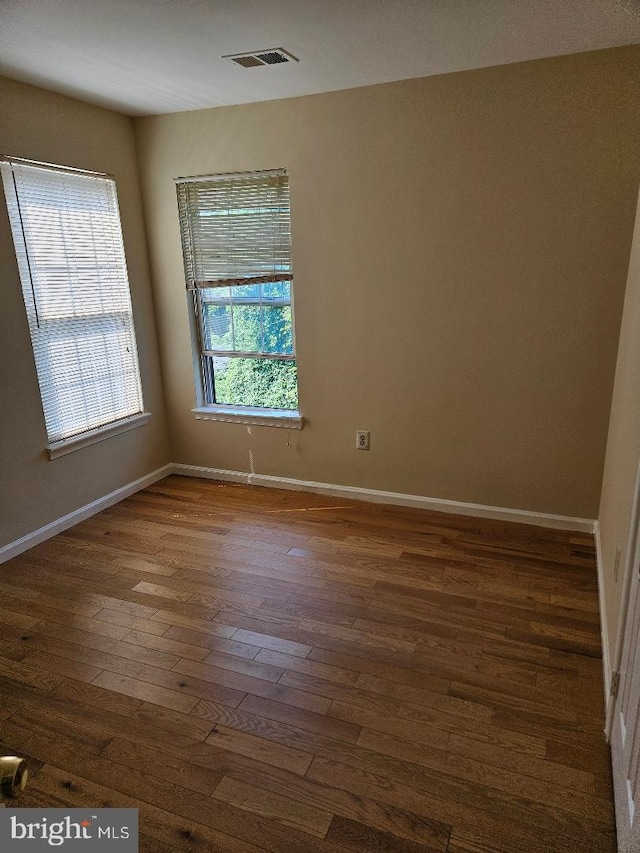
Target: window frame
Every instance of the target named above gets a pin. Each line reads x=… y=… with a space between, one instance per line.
x=63 y=437
x=207 y=408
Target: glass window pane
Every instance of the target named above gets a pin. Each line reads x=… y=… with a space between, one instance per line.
x=259 y=382
x=215 y=294
x=216 y=320
x=245 y=291
x=277 y=334
x=247 y=328
x=277 y=290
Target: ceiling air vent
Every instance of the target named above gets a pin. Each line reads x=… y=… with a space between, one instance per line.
x=272 y=56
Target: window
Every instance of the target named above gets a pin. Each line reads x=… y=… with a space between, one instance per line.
x=66 y=230
x=236 y=239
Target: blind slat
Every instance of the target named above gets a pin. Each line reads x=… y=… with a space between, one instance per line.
x=230 y=282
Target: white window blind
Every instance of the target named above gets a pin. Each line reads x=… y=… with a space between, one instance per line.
x=68 y=239
x=235 y=228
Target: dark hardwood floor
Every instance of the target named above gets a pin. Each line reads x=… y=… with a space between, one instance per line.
x=267 y=670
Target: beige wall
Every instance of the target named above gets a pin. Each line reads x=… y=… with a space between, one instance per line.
x=34 y=490
x=460 y=249
x=623 y=448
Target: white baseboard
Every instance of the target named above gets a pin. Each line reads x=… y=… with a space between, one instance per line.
x=78 y=515
x=604 y=633
x=558 y=522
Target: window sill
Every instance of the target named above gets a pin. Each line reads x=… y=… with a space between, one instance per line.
x=288 y=418
x=77 y=442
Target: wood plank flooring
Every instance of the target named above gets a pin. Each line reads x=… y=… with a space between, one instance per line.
x=267 y=670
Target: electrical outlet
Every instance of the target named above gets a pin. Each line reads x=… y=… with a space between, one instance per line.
x=616 y=565
x=362 y=439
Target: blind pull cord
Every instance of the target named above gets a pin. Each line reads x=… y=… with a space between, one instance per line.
x=26 y=250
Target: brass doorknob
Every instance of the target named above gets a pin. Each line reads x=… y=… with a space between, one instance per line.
x=13 y=775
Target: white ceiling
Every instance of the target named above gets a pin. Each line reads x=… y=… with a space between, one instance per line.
x=158 y=56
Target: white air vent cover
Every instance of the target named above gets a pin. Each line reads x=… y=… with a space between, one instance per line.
x=271 y=56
